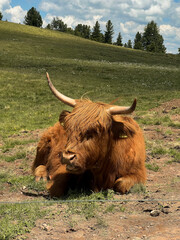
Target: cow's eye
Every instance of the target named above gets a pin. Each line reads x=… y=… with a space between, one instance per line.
x=90 y=134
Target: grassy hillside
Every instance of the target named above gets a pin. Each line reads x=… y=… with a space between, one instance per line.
x=76 y=66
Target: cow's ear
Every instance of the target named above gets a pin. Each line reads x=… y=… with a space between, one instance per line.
x=123 y=129
x=62 y=116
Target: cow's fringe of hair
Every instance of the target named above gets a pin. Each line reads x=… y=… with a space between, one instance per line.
x=87 y=113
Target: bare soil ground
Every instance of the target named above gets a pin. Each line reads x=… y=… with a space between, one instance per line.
x=150 y=215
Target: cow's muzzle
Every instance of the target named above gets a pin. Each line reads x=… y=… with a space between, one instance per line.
x=67 y=158
x=72 y=165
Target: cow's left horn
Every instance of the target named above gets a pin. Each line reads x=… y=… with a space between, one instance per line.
x=122 y=110
x=69 y=101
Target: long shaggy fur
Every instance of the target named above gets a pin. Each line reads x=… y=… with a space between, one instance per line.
x=109 y=151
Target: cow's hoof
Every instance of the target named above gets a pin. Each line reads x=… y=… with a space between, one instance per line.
x=122 y=185
x=41 y=173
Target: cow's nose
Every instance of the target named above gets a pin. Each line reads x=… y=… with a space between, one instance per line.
x=66 y=158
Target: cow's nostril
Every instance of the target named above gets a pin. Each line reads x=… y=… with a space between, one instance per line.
x=71 y=157
x=66 y=158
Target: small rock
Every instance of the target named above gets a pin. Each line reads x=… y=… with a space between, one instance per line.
x=177 y=147
x=165 y=111
x=165 y=210
x=123 y=217
x=24 y=131
x=155 y=213
x=45 y=227
x=178 y=208
x=147 y=210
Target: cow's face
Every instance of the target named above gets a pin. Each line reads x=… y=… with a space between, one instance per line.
x=88 y=129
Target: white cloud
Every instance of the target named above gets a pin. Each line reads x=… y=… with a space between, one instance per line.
x=178 y=11
x=131 y=27
x=141 y=4
x=171 y=37
x=50 y=6
x=145 y=10
x=153 y=10
x=164 y=4
x=175 y=15
x=123 y=6
x=169 y=31
x=4 y=4
x=153 y=18
x=15 y=14
x=124 y=10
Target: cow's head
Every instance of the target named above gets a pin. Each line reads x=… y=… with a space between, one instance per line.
x=90 y=127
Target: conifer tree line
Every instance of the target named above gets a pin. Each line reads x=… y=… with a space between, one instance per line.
x=150 y=40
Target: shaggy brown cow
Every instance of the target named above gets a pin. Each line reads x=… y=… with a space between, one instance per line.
x=94 y=137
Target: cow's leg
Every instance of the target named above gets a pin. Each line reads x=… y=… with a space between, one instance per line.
x=44 y=148
x=42 y=153
x=124 y=184
x=39 y=165
x=58 y=184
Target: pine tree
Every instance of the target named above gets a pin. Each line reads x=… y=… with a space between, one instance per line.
x=138 y=41
x=152 y=41
x=96 y=33
x=48 y=26
x=119 y=40
x=1 y=16
x=58 y=24
x=82 y=31
x=129 y=44
x=86 y=31
x=33 y=18
x=78 y=30
x=109 y=32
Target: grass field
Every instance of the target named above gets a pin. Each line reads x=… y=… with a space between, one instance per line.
x=77 y=67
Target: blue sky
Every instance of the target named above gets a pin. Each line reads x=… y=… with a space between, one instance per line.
x=127 y=16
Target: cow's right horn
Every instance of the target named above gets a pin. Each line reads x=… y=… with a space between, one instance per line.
x=69 y=101
x=115 y=110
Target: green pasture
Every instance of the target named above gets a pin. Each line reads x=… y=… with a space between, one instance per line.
x=78 y=68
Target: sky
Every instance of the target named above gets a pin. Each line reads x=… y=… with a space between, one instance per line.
x=127 y=16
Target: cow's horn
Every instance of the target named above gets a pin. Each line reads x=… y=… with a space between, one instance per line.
x=122 y=110
x=69 y=101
